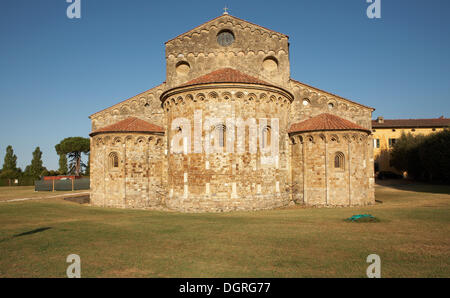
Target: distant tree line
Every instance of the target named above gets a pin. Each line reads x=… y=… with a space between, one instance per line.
x=70 y=151
x=424 y=158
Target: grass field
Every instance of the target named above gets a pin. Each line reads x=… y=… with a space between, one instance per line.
x=19 y=192
x=412 y=239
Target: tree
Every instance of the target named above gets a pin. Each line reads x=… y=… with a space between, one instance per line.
x=63 y=164
x=10 y=162
x=10 y=170
x=424 y=157
x=36 y=168
x=435 y=156
x=74 y=147
x=405 y=155
x=88 y=166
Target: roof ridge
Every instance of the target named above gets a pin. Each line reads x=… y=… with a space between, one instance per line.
x=220 y=16
x=127 y=99
x=332 y=94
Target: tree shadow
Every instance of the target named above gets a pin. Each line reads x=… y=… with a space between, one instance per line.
x=32 y=232
x=416 y=186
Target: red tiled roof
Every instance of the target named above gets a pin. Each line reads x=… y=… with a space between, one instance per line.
x=226 y=75
x=131 y=124
x=415 y=123
x=325 y=122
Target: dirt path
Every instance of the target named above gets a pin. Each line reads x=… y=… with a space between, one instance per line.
x=46 y=197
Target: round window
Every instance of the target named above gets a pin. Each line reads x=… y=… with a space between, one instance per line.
x=225 y=38
x=270 y=64
x=182 y=68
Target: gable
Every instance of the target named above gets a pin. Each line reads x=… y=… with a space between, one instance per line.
x=145 y=105
x=224 y=42
x=320 y=102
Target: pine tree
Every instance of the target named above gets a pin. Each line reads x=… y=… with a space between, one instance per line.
x=63 y=164
x=74 y=147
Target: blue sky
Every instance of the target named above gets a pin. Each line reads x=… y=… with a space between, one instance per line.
x=55 y=72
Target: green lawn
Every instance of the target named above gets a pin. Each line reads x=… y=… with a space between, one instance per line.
x=412 y=239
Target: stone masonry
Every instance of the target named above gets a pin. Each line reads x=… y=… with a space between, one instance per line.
x=151 y=151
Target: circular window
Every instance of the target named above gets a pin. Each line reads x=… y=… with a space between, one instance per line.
x=306 y=102
x=330 y=105
x=225 y=38
x=270 y=64
x=183 y=68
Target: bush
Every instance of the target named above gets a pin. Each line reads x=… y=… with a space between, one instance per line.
x=423 y=157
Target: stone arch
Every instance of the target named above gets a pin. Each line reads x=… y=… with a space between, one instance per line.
x=189 y=97
x=339 y=160
x=124 y=110
x=252 y=96
x=226 y=95
x=334 y=138
x=117 y=140
x=113 y=160
x=200 y=96
x=239 y=95
x=140 y=140
x=99 y=141
x=221 y=133
x=213 y=95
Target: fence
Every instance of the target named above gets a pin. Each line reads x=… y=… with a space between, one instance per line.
x=62 y=185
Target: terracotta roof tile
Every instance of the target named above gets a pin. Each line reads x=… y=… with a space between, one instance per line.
x=226 y=75
x=415 y=123
x=325 y=122
x=131 y=124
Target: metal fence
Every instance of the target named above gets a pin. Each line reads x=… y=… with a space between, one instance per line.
x=62 y=185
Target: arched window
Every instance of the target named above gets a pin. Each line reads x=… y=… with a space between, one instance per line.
x=339 y=161
x=113 y=160
x=221 y=134
x=265 y=137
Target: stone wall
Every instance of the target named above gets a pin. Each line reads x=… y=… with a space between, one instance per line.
x=226 y=181
x=310 y=102
x=256 y=51
x=145 y=106
x=317 y=180
x=138 y=180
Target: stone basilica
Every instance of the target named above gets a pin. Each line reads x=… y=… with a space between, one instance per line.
x=229 y=69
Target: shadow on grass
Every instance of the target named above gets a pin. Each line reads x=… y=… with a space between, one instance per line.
x=408 y=185
x=32 y=232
